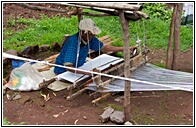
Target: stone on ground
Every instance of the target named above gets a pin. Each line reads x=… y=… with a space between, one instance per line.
x=117 y=117
x=104 y=117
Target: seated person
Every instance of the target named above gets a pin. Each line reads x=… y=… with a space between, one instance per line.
x=79 y=45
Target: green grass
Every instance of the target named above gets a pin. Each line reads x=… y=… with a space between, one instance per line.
x=6 y=122
x=49 y=30
x=116 y=107
x=43 y=31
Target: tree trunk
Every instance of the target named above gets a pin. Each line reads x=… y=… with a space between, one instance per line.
x=125 y=30
x=169 y=48
x=176 y=52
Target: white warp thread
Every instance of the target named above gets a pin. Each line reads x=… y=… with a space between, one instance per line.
x=107 y=75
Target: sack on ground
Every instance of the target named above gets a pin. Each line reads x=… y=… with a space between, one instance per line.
x=24 y=78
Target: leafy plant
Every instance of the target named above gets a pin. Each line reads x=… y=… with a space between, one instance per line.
x=6 y=122
x=158 y=10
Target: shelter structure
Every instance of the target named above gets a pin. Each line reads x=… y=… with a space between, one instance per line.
x=125 y=11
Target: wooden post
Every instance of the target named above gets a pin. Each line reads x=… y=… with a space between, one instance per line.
x=177 y=25
x=125 y=30
x=80 y=17
x=169 y=47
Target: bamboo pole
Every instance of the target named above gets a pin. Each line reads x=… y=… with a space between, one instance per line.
x=125 y=30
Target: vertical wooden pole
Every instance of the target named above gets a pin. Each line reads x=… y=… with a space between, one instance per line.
x=177 y=25
x=79 y=16
x=169 y=59
x=125 y=30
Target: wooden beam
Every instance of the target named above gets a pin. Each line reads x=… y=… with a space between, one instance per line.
x=92 y=14
x=125 y=30
x=80 y=17
x=48 y=9
x=121 y=6
x=142 y=14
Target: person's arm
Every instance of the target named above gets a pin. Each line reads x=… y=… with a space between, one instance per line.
x=108 y=48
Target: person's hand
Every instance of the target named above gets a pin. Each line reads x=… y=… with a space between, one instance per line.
x=133 y=50
x=94 y=70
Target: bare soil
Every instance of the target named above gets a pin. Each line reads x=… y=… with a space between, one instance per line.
x=154 y=108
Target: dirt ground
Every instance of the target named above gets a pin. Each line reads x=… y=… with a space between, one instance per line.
x=147 y=108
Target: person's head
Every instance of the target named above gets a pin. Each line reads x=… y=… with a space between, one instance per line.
x=88 y=29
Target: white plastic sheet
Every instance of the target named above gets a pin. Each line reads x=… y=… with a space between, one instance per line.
x=162 y=79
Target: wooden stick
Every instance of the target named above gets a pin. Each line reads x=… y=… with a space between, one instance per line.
x=92 y=14
x=4 y=81
x=51 y=57
x=118 y=6
x=44 y=68
x=142 y=14
x=105 y=83
x=96 y=77
x=46 y=83
x=48 y=9
x=137 y=66
x=107 y=40
x=103 y=37
x=110 y=80
x=72 y=96
x=100 y=98
x=156 y=96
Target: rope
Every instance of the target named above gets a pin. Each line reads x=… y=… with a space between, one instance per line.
x=101 y=82
x=107 y=75
x=89 y=55
x=138 y=41
x=144 y=44
x=78 y=50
